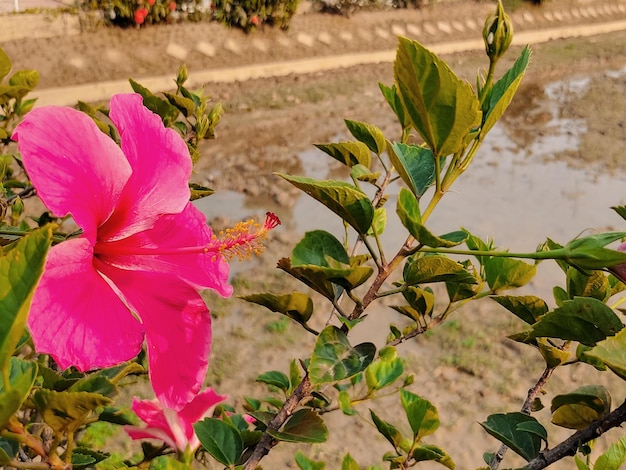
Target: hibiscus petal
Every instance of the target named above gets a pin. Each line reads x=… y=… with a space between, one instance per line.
x=161 y=168
x=201 y=406
x=76 y=317
x=151 y=413
x=178 y=332
x=74 y=166
x=169 y=234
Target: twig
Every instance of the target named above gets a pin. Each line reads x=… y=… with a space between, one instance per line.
x=26 y=192
x=526 y=407
x=570 y=445
x=267 y=441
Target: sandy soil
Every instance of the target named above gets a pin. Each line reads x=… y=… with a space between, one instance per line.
x=267 y=125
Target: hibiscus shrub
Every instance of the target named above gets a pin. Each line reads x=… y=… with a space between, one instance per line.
x=126 y=13
x=252 y=14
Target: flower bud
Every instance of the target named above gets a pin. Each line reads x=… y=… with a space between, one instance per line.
x=497 y=33
x=183 y=74
x=17 y=207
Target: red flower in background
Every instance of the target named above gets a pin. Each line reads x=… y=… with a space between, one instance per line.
x=151 y=2
x=172 y=6
x=140 y=15
x=254 y=20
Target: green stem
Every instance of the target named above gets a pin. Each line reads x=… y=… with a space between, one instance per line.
x=560 y=253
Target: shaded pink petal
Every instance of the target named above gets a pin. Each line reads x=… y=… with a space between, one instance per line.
x=151 y=413
x=161 y=168
x=200 y=407
x=74 y=166
x=76 y=317
x=187 y=229
x=178 y=332
x=150 y=433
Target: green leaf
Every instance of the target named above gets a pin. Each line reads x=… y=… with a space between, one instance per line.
x=582 y=319
x=621 y=211
x=95 y=384
x=422 y=414
x=507 y=273
x=580 y=464
x=319 y=248
x=220 y=439
x=588 y=284
x=614 y=456
x=304 y=425
x=320 y=257
x=442 y=108
x=163 y=108
x=275 y=378
x=363 y=173
x=345 y=200
x=161 y=462
x=349 y=463
x=348 y=153
x=23 y=266
x=436 y=268
x=5 y=64
x=395 y=103
x=552 y=355
x=304 y=463
x=316 y=280
x=198 y=191
x=67 y=411
x=86 y=458
x=387 y=430
x=434 y=453
x=8 y=447
x=334 y=359
x=185 y=105
x=345 y=404
x=512 y=429
x=408 y=211
x=370 y=135
x=526 y=307
x=297 y=306
x=24 y=79
x=415 y=165
x=612 y=352
x=580 y=408
x=22 y=375
x=379 y=223
x=384 y=371
x=503 y=91
x=422 y=300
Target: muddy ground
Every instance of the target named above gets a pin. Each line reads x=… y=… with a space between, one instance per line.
x=467 y=367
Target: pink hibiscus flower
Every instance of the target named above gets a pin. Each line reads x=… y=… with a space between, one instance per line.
x=143 y=255
x=175 y=428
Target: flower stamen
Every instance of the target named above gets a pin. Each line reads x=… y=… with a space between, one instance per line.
x=244 y=239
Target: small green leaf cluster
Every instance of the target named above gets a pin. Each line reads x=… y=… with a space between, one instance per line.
x=13 y=106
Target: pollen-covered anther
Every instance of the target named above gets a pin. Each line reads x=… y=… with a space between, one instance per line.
x=245 y=238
